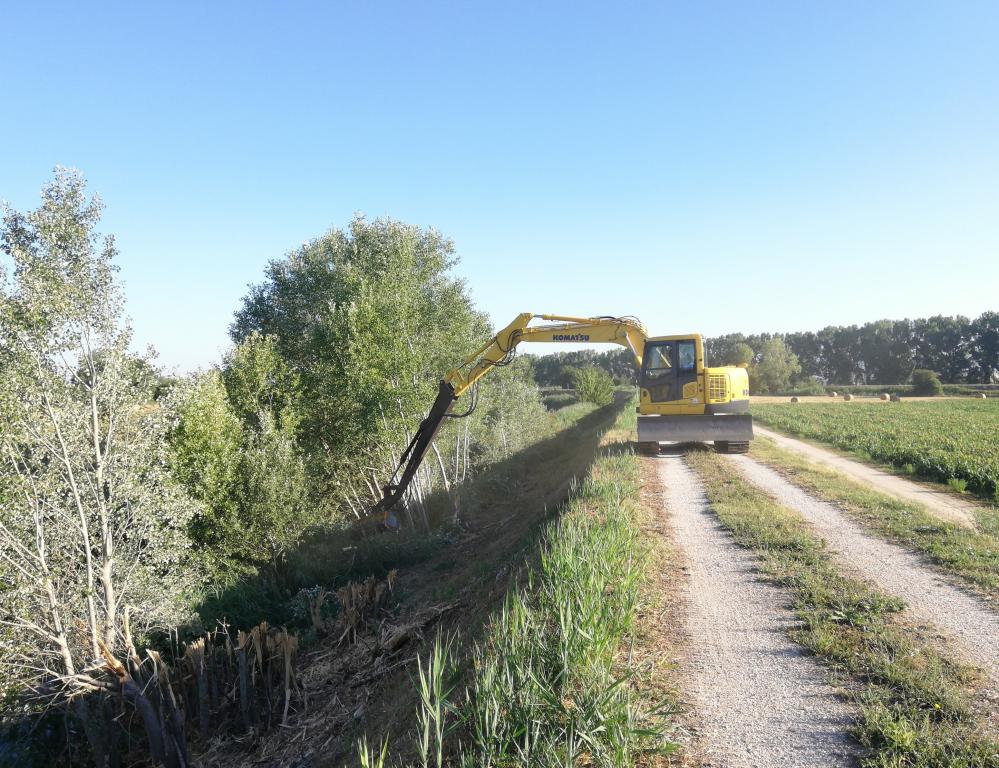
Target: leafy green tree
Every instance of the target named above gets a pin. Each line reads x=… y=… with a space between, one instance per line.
x=259 y=380
x=620 y=364
x=276 y=511
x=775 y=369
x=944 y=344
x=742 y=354
x=728 y=349
x=558 y=368
x=568 y=376
x=806 y=345
x=510 y=416
x=985 y=332
x=887 y=351
x=207 y=443
x=249 y=476
x=594 y=385
x=369 y=319
x=91 y=521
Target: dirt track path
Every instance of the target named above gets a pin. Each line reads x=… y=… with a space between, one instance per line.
x=759 y=700
x=942 y=504
x=897 y=571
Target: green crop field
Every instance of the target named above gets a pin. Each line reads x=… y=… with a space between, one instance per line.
x=939 y=439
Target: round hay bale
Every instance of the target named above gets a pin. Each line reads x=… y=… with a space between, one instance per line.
x=885 y=396
x=848 y=397
x=832 y=394
x=794 y=399
x=895 y=398
x=981 y=395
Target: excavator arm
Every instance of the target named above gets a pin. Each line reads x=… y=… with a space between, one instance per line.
x=499 y=351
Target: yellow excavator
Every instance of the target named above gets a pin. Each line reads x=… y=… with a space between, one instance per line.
x=681 y=399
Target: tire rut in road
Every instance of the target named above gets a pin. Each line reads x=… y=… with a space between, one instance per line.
x=931 y=599
x=759 y=700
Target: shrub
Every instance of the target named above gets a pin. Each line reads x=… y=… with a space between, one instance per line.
x=594 y=385
x=958 y=484
x=926 y=383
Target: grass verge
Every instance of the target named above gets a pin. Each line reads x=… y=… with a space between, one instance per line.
x=917 y=707
x=553 y=681
x=972 y=555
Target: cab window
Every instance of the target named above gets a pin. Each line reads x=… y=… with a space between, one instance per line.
x=658 y=357
x=688 y=355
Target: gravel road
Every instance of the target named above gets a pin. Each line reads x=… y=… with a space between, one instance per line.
x=759 y=700
x=944 y=505
x=897 y=571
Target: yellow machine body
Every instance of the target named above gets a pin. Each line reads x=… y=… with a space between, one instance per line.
x=719 y=390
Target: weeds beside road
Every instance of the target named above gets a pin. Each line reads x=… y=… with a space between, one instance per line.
x=553 y=682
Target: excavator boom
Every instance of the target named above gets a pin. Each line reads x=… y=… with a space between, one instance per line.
x=680 y=398
x=627 y=332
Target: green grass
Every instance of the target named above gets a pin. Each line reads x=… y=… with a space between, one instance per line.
x=939 y=439
x=569 y=414
x=915 y=705
x=558 y=400
x=972 y=555
x=550 y=684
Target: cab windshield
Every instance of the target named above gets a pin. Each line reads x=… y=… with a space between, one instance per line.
x=659 y=357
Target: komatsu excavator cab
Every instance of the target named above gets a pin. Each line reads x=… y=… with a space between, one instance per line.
x=682 y=401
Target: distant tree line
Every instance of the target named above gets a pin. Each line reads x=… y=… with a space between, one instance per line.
x=883 y=352
x=561 y=369
x=958 y=349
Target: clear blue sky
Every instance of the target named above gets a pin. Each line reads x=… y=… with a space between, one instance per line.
x=705 y=166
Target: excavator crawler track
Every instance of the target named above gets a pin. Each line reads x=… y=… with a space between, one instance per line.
x=731 y=446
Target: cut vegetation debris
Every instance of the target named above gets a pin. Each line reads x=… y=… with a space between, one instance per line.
x=972 y=555
x=917 y=706
x=938 y=439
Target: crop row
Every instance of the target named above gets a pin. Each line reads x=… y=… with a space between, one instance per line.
x=940 y=439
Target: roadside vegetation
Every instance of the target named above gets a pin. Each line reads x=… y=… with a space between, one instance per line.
x=940 y=440
x=972 y=555
x=917 y=706
x=554 y=681
x=135 y=507
x=558 y=369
